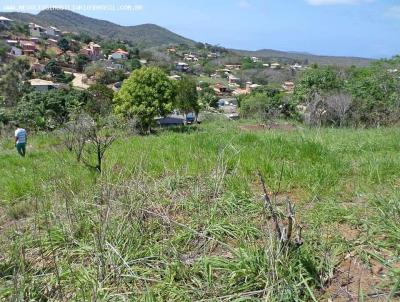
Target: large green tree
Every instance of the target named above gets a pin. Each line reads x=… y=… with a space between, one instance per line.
x=187 y=98
x=146 y=94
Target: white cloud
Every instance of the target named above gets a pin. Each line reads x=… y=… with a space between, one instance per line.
x=394 y=12
x=244 y=3
x=336 y=2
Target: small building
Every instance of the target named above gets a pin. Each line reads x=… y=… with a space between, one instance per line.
x=37 y=67
x=119 y=54
x=296 y=66
x=250 y=86
x=15 y=51
x=171 y=50
x=5 y=22
x=181 y=66
x=28 y=47
x=275 y=66
x=34 y=39
x=255 y=60
x=12 y=42
x=213 y=55
x=175 y=77
x=221 y=89
x=288 y=86
x=52 y=42
x=233 y=79
x=92 y=51
x=233 y=66
x=42 y=85
x=53 y=32
x=143 y=61
x=36 y=30
x=266 y=65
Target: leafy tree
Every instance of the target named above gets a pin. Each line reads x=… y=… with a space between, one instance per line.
x=53 y=68
x=133 y=64
x=63 y=44
x=316 y=81
x=13 y=82
x=80 y=62
x=111 y=77
x=147 y=93
x=48 y=110
x=208 y=97
x=4 y=48
x=187 y=98
x=100 y=103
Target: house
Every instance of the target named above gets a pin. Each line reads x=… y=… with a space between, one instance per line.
x=92 y=51
x=183 y=67
x=52 y=42
x=221 y=89
x=15 y=51
x=233 y=66
x=266 y=65
x=5 y=22
x=190 y=58
x=213 y=55
x=296 y=66
x=233 y=79
x=250 y=86
x=113 y=66
x=34 y=39
x=175 y=77
x=171 y=50
x=119 y=54
x=288 y=86
x=12 y=42
x=37 y=67
x=255 y=59
x=53 y=32
x=275 y=66
x=42 y=85
x=28 y=47
x=36 y=30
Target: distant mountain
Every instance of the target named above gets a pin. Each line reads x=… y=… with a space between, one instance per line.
x=150 y=35
x=292 y=57
x=146 y=35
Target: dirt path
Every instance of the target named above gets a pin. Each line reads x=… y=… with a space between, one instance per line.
x=78 y=81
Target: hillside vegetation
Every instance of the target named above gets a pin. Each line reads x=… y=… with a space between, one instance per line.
x=145 y=35
x=180 y=216
x=306 y=58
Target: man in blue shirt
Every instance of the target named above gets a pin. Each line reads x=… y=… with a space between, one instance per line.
x=20 y=140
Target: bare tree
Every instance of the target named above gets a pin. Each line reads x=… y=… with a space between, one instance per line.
x=89 y=139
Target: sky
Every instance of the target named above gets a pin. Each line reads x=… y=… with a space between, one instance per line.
x=364 y=28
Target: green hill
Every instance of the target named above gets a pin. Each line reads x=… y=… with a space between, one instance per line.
x=291 y=57
x=147 y=35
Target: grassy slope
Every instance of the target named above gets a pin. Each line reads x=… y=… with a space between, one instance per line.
x=143 y=229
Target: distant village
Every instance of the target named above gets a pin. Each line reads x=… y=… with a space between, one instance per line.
x=219 y=70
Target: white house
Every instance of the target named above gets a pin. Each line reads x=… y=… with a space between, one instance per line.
x=233 y=80
x=5 y=21
x=53 y=32
x=275 y=66
x=255 y=59
x=42 y=85
x=36 y=30
x=119 y=54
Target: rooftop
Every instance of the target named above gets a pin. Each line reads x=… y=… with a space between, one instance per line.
x=40 y=82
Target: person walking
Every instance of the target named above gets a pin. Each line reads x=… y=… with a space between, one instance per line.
x=20 y=140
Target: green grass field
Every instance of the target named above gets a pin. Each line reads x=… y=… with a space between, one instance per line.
x=180 y=216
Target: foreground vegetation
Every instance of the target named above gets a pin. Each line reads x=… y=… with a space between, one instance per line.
x=180 y=216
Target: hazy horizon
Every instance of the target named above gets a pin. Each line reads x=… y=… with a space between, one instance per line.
x=361 y=28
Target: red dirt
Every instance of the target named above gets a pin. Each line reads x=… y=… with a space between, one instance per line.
x=354 y=281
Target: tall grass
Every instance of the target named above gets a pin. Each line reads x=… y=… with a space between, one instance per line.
x=180 y=216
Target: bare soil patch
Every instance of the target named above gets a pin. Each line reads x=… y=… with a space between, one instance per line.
x=355 y=281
